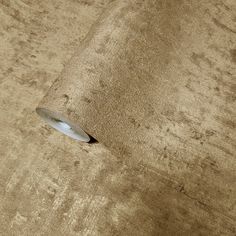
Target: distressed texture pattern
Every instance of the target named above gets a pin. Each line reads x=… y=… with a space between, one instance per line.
x=51 y=185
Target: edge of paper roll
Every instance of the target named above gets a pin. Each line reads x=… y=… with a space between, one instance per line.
x=63 y=125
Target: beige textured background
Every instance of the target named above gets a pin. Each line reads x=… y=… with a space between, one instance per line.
x=52 y=185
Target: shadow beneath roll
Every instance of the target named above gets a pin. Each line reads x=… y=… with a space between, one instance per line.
x=92 y=140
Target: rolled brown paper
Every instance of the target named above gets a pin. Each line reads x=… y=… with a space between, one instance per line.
x=129 y=85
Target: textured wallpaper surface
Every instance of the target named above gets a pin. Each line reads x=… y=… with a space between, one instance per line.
x=153 y=82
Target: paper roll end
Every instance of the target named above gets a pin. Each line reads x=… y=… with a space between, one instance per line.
x=63 y=125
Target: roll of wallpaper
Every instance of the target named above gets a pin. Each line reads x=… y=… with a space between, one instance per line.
x=125 y=82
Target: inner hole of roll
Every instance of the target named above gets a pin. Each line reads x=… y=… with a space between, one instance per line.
x=64 y=126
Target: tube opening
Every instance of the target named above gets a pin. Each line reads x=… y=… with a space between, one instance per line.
x=63 y=125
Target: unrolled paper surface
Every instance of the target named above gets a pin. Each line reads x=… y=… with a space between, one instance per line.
x=181 y=183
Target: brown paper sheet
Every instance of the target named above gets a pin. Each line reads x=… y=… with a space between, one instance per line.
x=53 y=185
x=156 y=79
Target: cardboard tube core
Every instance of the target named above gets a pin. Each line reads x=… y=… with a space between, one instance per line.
x=63 y=125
